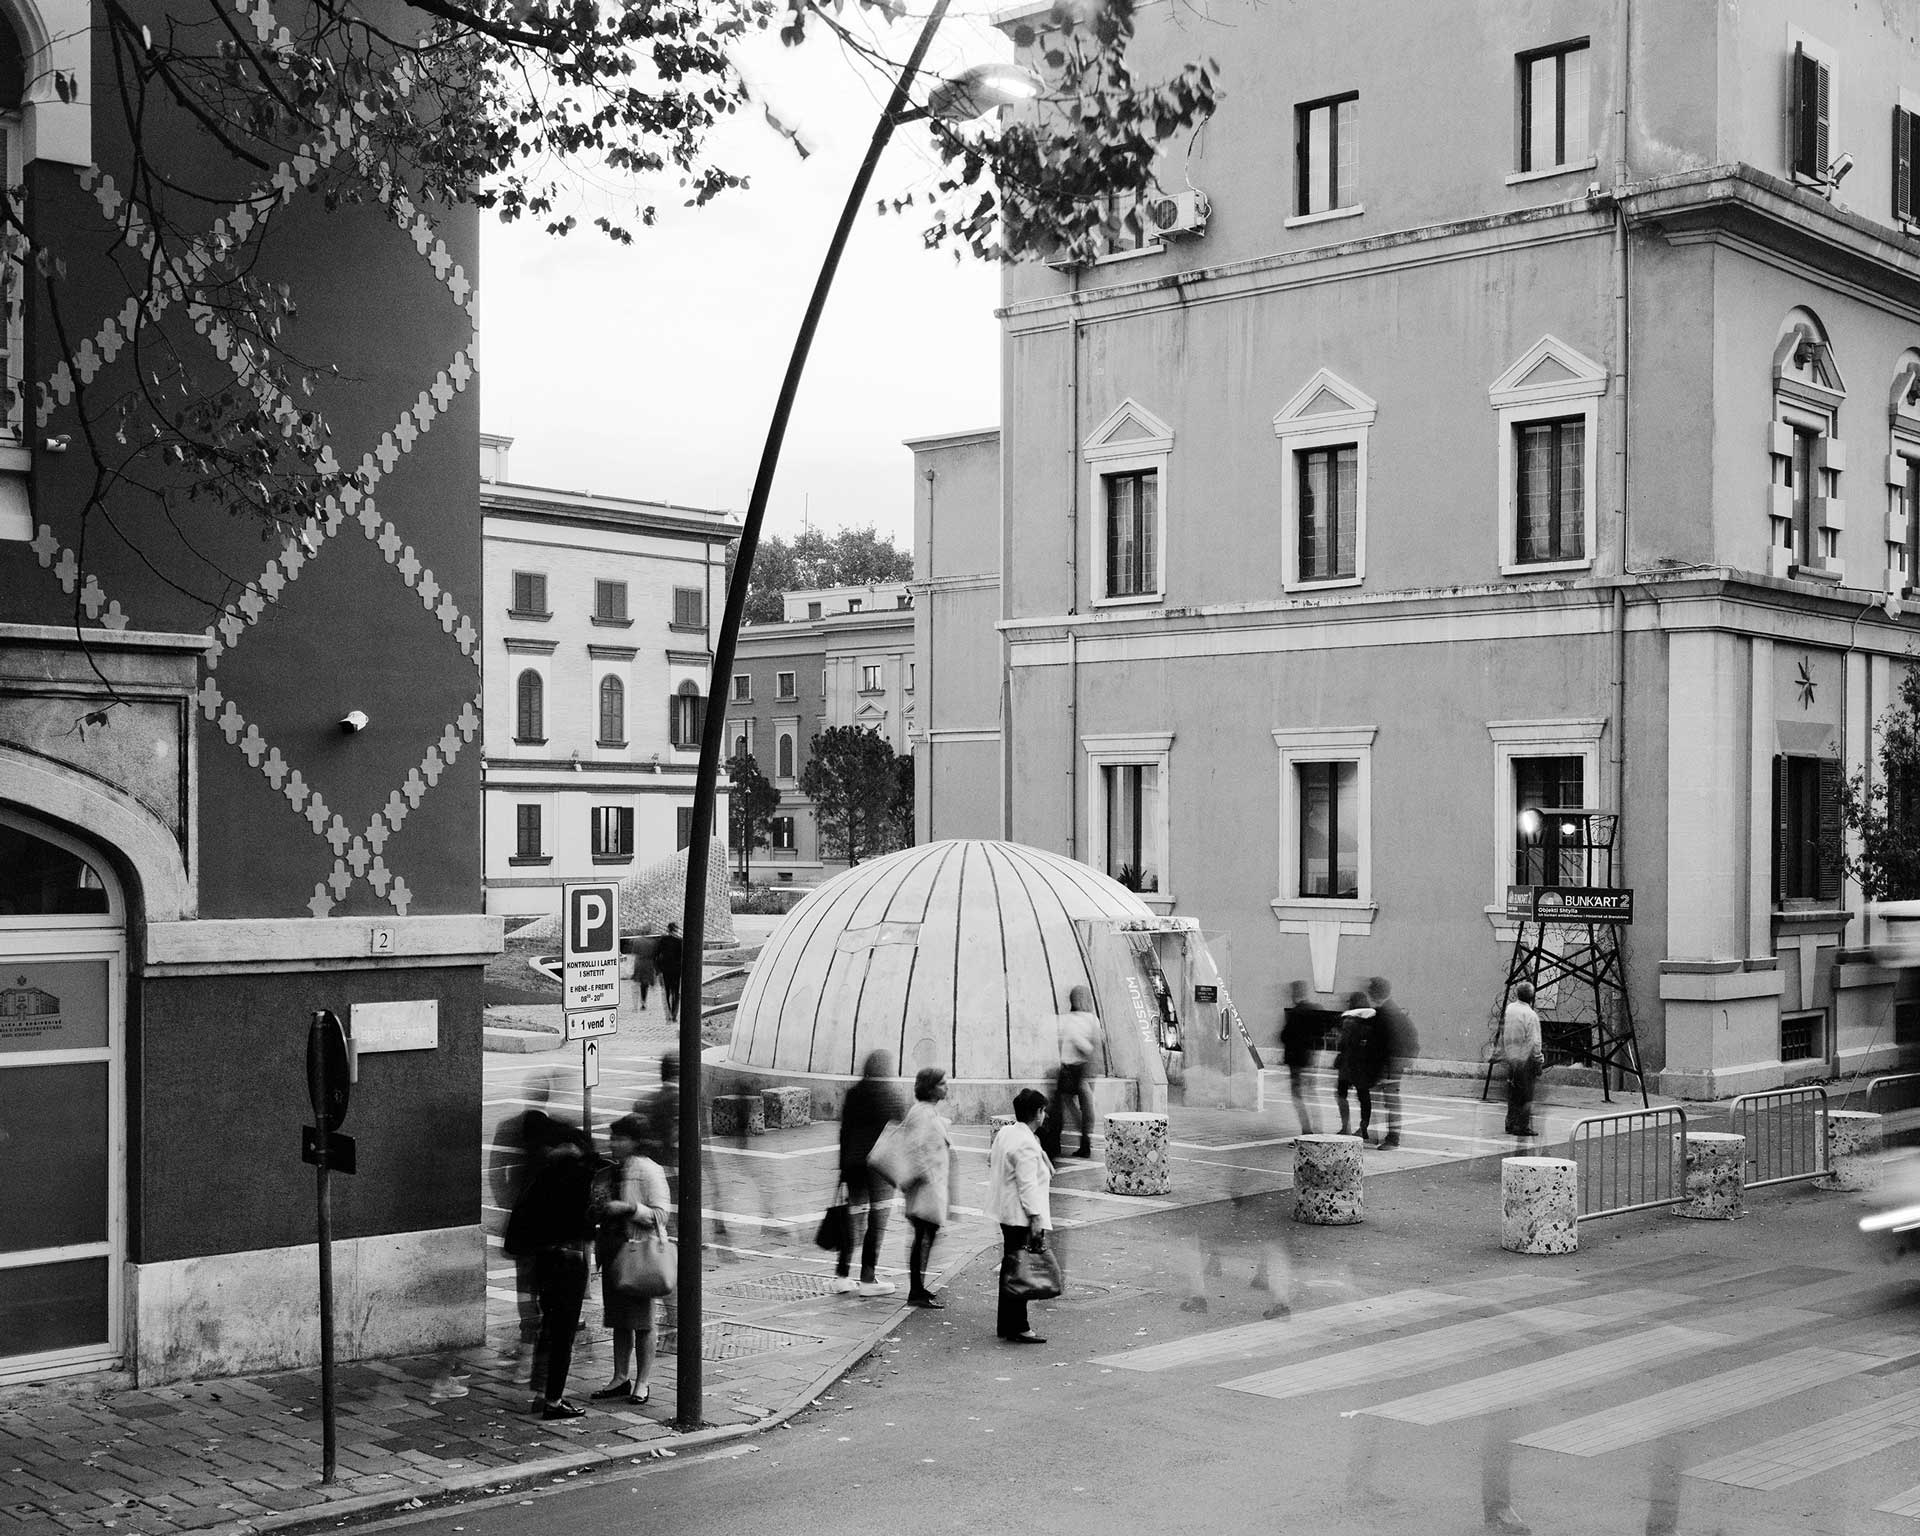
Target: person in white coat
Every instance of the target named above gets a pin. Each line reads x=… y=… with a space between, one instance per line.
x=1019 y=1177
x=928 y=1185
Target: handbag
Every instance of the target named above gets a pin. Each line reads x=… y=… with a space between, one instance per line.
x=1036 y=1274
x=836 y=1225
x=891 y=1158
x=644 y=1267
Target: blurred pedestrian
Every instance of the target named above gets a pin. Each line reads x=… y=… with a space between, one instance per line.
x=667 y=954
x=640 y=946
x=1525 y=1055
x=1356 y=1062
x=629 y=1196
x=519 y=1142
x=929 y=1184
x=1079 y=1039
x=1398 y=1044
x=551 y=1223
x=1301 y=1028
x=1019 y=1178
x=872 y=1103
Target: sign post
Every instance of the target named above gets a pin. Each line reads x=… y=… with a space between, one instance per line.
x=590 y=976
x=329 y=1086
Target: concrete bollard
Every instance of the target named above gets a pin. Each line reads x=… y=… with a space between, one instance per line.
x=1137 y=1155
x=1854 y=1142
x=786 y=1108
x=1539 y=1205
x=739 y=1114
x=1716 y=1176
x=1327 y=1188
x=995 y=1123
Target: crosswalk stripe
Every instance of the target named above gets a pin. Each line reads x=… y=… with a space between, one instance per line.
x=1907 y=1504
x=1419 y=1352
x=1703 y=1402
x=1832 y=1443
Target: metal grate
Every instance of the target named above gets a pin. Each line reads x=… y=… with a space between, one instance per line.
x=739 y=1341
x=788 y=1285
x=1798 y=1033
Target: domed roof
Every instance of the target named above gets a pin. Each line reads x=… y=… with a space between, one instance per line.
x=955 y=954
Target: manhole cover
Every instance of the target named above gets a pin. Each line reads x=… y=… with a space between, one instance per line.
x=788 y=1285
x=738 y=1341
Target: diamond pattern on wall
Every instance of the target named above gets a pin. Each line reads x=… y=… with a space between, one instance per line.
x=355 y=854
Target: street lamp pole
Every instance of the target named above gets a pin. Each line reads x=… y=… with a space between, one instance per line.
x=687 y=1410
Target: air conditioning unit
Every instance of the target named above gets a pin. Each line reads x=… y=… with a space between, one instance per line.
x=1179 y=214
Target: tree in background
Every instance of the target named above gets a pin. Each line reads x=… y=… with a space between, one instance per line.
x=1885 y=816
x=903 y=800
x=750 y=806
x=854 y=783
x=851 y=557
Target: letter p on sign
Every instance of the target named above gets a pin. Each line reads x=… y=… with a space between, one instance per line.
x=591 y=921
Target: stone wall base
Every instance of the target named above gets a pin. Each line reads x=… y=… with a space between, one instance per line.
x=970 y=1101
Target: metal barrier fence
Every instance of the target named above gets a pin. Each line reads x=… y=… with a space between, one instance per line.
x=1896 y=1099
x=1633 y=1160
x=1786 y=1131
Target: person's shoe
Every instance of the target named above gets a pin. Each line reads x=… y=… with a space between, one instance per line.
x=843 y=1285
x=1194 y=1304
x=1085 y=1151
x=620 y=1388
x=1389 y=1141
x=1505 y=1521
x=928 y=1300
x=1278 y=1309
x=877 y=1288
x=560 y=1410
x=1029 y=1337
x=639 y=1395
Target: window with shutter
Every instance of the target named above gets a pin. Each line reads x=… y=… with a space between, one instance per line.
x=1830 y=852
x=530 y=697
x=526 y=831
x=686 y=713
x=610 y=602
x=1812 y=107
x=1807 y=859
x=689 y=608
x=682 y=826
x=613 y=712
x=1903 y=201
x=529 y=595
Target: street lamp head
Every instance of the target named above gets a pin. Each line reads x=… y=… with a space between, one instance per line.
x=977 y=91
x=1528 y=822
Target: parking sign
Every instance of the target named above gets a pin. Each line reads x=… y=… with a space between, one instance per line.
x=590 y=946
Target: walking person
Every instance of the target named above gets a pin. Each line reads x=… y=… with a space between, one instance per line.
x=667 y=953
x=552 y=1222
x=929 y=1184
x=1300 y=1032
x=871 y=1105
x=1080 y=1038
x=1356 y=1062
x=1525 y=1055
x=640 y=946
x=629 y=1196
x=1397 y=1044
x=1019 y=1177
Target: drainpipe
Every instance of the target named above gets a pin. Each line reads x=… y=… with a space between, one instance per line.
x=1621 y=337
x=1073 y=586
x=926 y=720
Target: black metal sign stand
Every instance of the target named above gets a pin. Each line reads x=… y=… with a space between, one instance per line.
x=329 y=1086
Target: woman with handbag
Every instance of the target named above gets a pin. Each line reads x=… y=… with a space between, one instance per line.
x=927 y=1156
x=630 y=1203
x=1018 y=1180
x=872 y=1104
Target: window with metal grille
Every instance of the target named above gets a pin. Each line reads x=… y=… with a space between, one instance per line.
x=686 y=716
x=1553 y=851
x=1800 y=1033
x=1327 y=154
x=526 y=831
x=529 y=595
x=1812 y=114
x=1133 y=516
x=1328 y=485
x=1329 y=830
x=1550 y=493
x=613 y=712
x=613 y=831
x=530 y=697
x=689 y=608
x=610 y=602
x=1807 y=864
x=1553 y=106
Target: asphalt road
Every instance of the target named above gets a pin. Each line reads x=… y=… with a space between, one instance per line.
x=1754 y=1377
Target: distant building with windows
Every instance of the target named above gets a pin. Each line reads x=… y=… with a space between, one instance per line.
x=600 y=615
x=1450 y=447
x=843 y=656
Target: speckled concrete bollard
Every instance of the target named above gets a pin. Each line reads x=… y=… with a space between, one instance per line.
x=995 y=1123
x=739 y=1114
x=1137 y=1155
x=1716 y=1176
x=786 y=1108
x=1539 y=1205
x=1854 y=1142
x=1327 y=1189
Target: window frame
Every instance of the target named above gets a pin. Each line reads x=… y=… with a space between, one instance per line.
x=680 y=596
x=741 y=730
x=742 y=688
x=1300 y=430
x=782 y=838
x=525 y=811
x=544 y=611
x=539 y=707
x=786 y=685
x=683 y=734
x=606 y=611
x=786 y=739
x=870 y=678
x=616 y=820
x=1555 y=428
x=1297 y=745
x=1524 y=168
x=1574 y=389
x=1904 y=194
x=609 y=680
x=1808 y=393
x=1303 y=111
x=1511 y=739
x=1304 y=458
x=1147 y=445
x=1827 y=775
x=1152 y=749
x=1809 y=152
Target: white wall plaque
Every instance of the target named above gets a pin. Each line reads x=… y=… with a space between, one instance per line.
x=410 y=1026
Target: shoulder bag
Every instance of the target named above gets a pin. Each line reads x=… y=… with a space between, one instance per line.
x=1036 y=1273
x=836 y=1226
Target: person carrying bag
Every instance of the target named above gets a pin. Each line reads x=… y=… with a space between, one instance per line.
x=1019 y=1179
x=638 y=1265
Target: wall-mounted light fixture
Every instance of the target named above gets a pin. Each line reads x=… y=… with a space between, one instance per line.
x=353 y=721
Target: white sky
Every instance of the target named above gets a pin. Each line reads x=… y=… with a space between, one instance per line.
x=651 y=370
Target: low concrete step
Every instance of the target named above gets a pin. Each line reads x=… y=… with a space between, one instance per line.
x=499 y=1037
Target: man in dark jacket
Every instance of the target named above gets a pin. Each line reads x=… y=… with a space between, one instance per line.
x=666 y=961
x=551 y=1224
x=1395 y=1044
x=870 y=1104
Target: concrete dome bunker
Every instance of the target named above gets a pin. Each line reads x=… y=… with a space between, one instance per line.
x=960 y=954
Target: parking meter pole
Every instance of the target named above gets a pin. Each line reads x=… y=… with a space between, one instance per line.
x=330 y=1449
x=586 y=1089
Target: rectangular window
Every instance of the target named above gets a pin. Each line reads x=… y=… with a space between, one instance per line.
x=1906 y=140
x=742 y=688
x=610 y=601
x=910 y=667
x=1133 y=822
x=1550 y=490
x=1799 y=1033
x=682 y=826
x=1548 y=849
x=1329 y=830
x=1326 y=154
x=613 y=831
x=1553 y=107
x=13 y=322
x=1133 y=517
x=1812 y=114
x=1806 y=826
x=1913 y=523
x=686 y=718
x=869 y=679
x=529 y=594
x=781 y=830
x=813 y=610
x=1328 y=500
x=526 y=831
x=1800 y=476
x=904 y=600
x=853 y=605
x=689 y=608
x=783 y=684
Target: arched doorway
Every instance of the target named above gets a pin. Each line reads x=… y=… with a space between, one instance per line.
x=63 y=987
